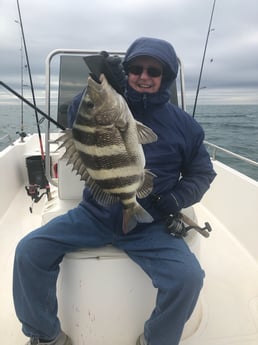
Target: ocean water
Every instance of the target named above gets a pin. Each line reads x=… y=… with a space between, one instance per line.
x=233 y=127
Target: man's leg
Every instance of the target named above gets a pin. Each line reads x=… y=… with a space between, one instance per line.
x=176 y=273
x=36 y=267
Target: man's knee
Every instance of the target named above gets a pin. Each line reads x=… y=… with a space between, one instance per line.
x=26 y=249
x=193 y=278
x=182 y=276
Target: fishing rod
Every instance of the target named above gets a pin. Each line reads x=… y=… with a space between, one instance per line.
x=50 y=119
x=203 y=58
x=33 y=189
x=47 y=186
x=30 y=78
x=22 y=133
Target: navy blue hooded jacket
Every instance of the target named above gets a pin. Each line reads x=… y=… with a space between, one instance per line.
x=178 y=159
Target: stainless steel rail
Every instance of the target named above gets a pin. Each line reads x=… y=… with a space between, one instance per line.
x=215 y=149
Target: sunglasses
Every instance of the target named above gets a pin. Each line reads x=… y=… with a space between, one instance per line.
x=153 y=72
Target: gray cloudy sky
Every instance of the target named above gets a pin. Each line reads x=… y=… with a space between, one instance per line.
x=231 y=67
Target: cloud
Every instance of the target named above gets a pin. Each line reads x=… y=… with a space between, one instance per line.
x=231 y=57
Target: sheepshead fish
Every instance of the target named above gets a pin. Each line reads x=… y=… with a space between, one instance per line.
x=104 y=147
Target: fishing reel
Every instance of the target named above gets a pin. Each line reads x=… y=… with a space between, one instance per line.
x=22 y=135
x=33 y=190
x=178 y=226
x=37 y=179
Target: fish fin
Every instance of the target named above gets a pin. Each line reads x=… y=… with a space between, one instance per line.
x=65 y=137
x=134 y=215
x=147 y=186
x=98 y=193
x=145 y=134
x=71 y=154
x=103 y=198
x=67 y=142
x=73 y=157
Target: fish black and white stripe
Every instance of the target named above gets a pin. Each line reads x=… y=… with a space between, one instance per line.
x=105 y=148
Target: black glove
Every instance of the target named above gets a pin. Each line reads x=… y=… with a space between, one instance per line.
x=115 y=65
x=166 y=204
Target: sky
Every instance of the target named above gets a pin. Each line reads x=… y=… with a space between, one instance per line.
x=230 y=72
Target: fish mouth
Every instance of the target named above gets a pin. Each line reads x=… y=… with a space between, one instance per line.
x=95 y=83
x=94 y=88
x=95 y=78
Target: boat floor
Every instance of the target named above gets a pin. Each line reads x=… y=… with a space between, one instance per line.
x=229 y=297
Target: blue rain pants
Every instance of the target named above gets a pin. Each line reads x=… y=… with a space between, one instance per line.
x=174 y=270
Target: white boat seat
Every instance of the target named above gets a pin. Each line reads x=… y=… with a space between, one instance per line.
x=70 y=186
x=102 y=294
x=105 y=298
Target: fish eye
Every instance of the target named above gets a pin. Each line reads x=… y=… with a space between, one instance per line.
x=89 y=104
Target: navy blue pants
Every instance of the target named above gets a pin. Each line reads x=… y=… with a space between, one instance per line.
x=174 y=270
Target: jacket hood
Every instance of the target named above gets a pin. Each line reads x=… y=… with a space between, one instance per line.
x=158 y=49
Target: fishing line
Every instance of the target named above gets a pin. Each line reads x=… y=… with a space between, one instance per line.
x=203 y=59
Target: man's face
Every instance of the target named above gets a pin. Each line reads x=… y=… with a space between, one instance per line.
x=145 y=74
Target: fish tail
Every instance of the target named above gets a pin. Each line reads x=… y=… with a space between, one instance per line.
x=134 y=215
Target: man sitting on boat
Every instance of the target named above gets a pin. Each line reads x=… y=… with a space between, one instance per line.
x=183 y=174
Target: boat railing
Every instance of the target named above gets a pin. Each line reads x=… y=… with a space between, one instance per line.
x=214 y=149
x=7 y=138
